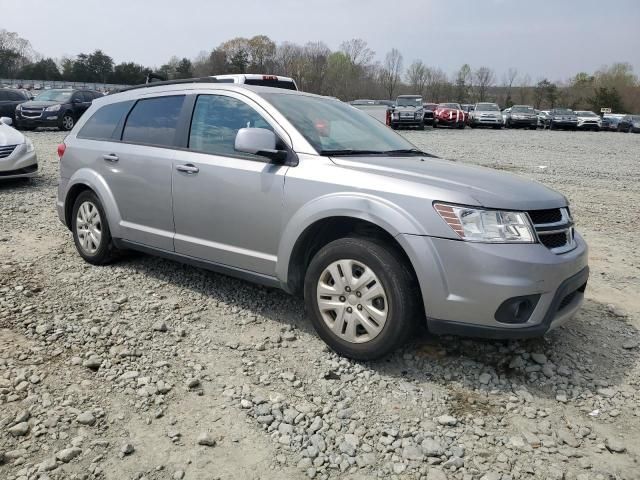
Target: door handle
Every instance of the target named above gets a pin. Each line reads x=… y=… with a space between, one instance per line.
x=188 y=168
x=110 y=157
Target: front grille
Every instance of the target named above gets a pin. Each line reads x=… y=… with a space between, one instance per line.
x=32 y=112
x=545 y=216
x=7 y=150
x=554 y=228
x=554 y=240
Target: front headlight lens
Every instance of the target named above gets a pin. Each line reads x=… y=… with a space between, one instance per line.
x=30 y=147
x=19 y=107
x=491 y=226
x=53 y=108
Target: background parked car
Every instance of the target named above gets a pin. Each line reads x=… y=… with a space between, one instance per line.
x=626 y=123
x=9 y=99
x=563 y=118
x=485 y=115
x=611 y=120
x=429 y=108
x=521 y=116
x=17 y=153
x=408 y=112
x=543 y=118
x=59 y=108
x=449 y=115
x=588 y=120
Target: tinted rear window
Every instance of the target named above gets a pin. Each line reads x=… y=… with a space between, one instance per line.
x=103 y=123
x=272 y=83
x=153 y=121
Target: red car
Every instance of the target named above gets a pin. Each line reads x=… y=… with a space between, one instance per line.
x=450 y=115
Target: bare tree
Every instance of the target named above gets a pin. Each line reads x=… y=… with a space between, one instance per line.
x=391 y=71
x=357 y=51
x=464 y=83
x=417 y=76
x=508 y=79
x=485 y=78
x=316 y=55
x=524 y=90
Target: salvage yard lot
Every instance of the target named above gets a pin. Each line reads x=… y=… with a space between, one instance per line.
x=170 y=360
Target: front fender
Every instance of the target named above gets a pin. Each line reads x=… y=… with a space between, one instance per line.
x=388 y=216
x=97 y=183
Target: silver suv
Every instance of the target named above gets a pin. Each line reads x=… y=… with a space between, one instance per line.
x=313 y=196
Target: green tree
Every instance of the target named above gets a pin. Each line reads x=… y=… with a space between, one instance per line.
x=184 y=69
x=45 y=69
x=604 y=97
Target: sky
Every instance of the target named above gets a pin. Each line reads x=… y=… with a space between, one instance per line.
x=543 y=38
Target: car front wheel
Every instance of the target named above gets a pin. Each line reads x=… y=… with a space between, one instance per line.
x=66 y=122
x=91 y=233
x=362 y=297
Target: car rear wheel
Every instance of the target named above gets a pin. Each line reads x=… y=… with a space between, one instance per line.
x=421 y=126
x=362 y=297
x=67 y=122
x=90 y=229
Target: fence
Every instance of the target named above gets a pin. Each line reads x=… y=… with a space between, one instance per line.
x=47 y=84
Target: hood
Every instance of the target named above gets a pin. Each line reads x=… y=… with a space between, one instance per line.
x=41 y=104
x=10 y=136
x=487 y=187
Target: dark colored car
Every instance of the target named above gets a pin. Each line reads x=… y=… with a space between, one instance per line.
x=522 y=116
x=429 y=108
x=563 y=118
x=629 y=124
x=59 y=108
x=610 y=123
x=9 y=100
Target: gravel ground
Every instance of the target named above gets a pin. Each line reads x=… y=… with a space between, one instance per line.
x=148 y=369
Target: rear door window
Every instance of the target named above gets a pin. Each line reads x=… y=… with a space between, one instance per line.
x=154 y=121
x=103 y=123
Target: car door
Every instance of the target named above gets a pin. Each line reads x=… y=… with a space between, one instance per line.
x=137 y=167
x=226 y=204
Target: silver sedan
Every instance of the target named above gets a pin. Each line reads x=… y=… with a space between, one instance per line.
x=17 y=154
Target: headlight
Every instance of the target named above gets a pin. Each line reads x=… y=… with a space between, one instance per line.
x=53 y=108
x=19 y=107
x=30 y=147
x=490 y=226
x=396 y=114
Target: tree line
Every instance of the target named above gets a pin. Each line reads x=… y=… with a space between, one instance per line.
x=347 y=73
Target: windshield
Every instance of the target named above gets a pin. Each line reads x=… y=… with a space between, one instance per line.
x=522 y=110
x=331 y=126
x=54 y=96
x=451 y=105
x=586 y=114
x=487 y=107
x=563 y=111
x=409 y=102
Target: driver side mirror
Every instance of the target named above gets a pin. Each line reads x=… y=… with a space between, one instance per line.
x=259 y=141
x=6 y=120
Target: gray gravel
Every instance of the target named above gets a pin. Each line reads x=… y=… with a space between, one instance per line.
x=147 y=369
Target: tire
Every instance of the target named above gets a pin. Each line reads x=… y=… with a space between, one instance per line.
x=394 y=126
x=96 y=252
x=421 y=126
x=533 y=127
x=551 y=126
x=399 y=301
x=434 y=124
x=66 y=123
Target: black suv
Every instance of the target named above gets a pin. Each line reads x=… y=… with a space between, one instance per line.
x=9 y=100
x=55 y=108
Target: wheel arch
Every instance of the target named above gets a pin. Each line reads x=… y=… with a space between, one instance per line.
x=86 y=179
x=313 y=226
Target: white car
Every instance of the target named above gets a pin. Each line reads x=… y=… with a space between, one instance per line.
x=588 y=121
x=17 y=154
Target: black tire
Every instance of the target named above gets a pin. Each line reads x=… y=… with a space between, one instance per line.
x=67 y=122
x=421 y=126
x=105 y=251
x=434 y=124
x=551 y=126
x=400 y=285
x=533 y=127
x=394 y=126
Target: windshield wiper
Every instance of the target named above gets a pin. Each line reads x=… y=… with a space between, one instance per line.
x=409 y=151
x=350 y=151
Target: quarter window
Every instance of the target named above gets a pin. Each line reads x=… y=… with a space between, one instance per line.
x=103 y=123
x=154 y=121
x=215 y=124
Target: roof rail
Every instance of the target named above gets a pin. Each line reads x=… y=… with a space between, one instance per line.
x=170 y=82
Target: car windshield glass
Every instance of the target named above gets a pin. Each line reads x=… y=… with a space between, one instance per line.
x=563 y=111
x=409 y=102
x=487 y=107
x=586 y=114
x=54 y=96
x=522 y=110
x=331 y=126
x=450 y=105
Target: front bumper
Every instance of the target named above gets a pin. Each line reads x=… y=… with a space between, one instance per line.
x=587 y=125
x=564 y=124
x=407 y=120
x=464 y=284
x=20 y=164
x=524 y=122
x=486 y=121
x=47 y=119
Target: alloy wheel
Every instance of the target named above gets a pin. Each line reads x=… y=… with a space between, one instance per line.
x=89 y=227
